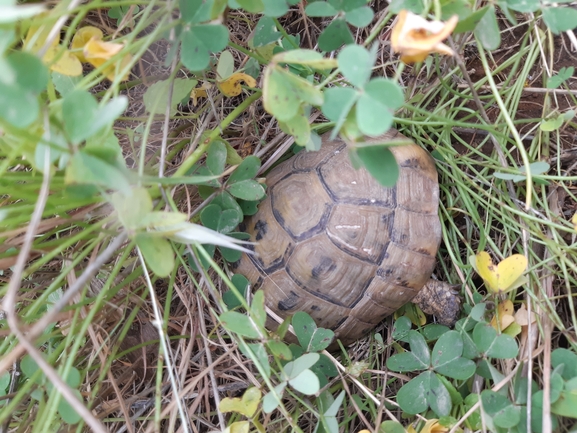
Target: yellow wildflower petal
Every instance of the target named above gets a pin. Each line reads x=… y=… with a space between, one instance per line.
x=36 y=37
x=574 y=220
x=82 y=37
x=99 y=52
x=415 y=38
x=504 y=276
x=231 y=86
x=200 y=92
x=66 y=63
x=504 y=315
x=433 y=426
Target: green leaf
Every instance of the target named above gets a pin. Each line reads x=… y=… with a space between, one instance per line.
x=248 y=169
x=199 y=41
x=294 y=368
x=30 y=73
x=68 y=414
x=247 y=190
x=335 y=36
x=216 y=158
x=248 y=207
x=322 y=338
x=537 y=168
x=239 y=324
x=422 y=392
x=85 y=168
x=524 y=6
x=566 y=404
x=415 y=6
x=403 y=362
x=347 y=5
x=494 y=346
x=226 y=201
x=380 y=163
x=229 y=297
x=311 y=338
x=18 y=107
x=279 y=350
x=355 y=62
x=338 y=103
x=156 y=96
x=4 y=382
x=225 y=65
x=474 y=420
x=257 y=311
x=487 y=31
x=461 y=8
x=360 y=17
x=552 y=124
x=157 y=252
x=433 y=331
x=376 y=105
x=456 y=398
x=314 y=143
x=418 y=358
x=270 y=401
x=320 y=9
x=213 y=217
x=306 y=382
x=73 y=378
x=265 y=32
x=401 y=329
x=419 y=347
x=503 y=412
x=328 y=410
x=299 y=127
x=470 y=23
x=391 y=427
x=275 y=8
x=304 y=327
x=309 y=58
x=252 y=6
x=563 y=75
x=195 y=11
x=131 y=206
x=247 y=405
x=568 y=359
x=83 y=117
x=284 y=93
x=560 y=19
x=262 y=358
x=557 y=384
x=446 y=357
x=325 y=366
x=28 y=366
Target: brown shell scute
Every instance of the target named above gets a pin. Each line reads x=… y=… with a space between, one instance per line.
x=333 y=242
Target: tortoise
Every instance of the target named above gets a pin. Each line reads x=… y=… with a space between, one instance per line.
x=331 y=241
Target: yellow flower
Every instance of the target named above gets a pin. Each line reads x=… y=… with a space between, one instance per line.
x=58 y=58
x=82 y=37
x=505 y=311
x=98 y=52
x=433 y=426
x=415 y=38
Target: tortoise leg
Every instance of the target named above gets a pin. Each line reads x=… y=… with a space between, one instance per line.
x=441 y=300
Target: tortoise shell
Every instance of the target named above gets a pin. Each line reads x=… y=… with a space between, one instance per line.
x=331 y=241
